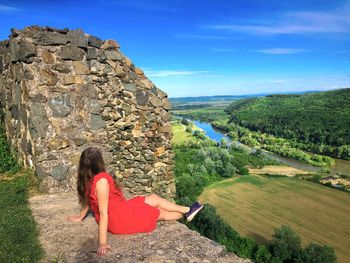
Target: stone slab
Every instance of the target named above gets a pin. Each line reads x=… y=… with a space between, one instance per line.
x=65 y=241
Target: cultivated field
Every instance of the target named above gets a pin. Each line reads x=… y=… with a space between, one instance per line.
x=254 y=205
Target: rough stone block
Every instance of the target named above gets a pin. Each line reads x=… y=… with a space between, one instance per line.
x=47 y=38
x=97 y=122
x=77 y=38
x=70 y=52
x=61 y=105
x=22 y=50
x=59 y=172
x=94 y=41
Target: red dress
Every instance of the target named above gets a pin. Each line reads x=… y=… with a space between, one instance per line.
x=124 y=216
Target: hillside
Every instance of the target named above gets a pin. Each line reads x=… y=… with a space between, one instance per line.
x=183 y=103
x=317 y=118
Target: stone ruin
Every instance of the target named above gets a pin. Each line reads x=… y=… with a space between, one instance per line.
x=64 y=90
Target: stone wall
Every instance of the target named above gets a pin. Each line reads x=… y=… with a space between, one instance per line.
x=63 y=90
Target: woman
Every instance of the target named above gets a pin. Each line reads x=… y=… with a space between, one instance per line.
x=112 y=211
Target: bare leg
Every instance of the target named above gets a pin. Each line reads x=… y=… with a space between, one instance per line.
x=156 y=201
x=167 y=215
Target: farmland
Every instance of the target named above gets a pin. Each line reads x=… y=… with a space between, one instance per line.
x=254 y=205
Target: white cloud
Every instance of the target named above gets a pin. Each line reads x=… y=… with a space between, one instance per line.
x=281 y=51
x=5 y=8
x=171 y=73
x=296 y=23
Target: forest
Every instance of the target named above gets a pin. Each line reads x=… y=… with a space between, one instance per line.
x=318 y=122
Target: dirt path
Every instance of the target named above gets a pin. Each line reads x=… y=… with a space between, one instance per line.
x=65 y=241
x=278 y=169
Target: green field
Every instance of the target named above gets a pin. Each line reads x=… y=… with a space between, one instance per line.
x=180 y=135
x=255 y=205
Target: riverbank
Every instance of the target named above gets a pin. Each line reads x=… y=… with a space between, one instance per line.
x=292 y=167
x=339 y=166
x=180 y=135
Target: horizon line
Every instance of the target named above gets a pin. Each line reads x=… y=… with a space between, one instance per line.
x=255 y=94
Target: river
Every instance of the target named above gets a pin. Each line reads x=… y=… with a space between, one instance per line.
x=340 y=166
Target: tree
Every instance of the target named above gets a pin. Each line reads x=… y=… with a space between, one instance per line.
x=184 y=121
x=229 y=171
x=188 y=129
x=243 y=170
x=315 y=253
x=285 y=243
x=223 y=143
x=258 y=152
x=316 y=178
x=262 y=255
x=199 y=134
x=186 y=186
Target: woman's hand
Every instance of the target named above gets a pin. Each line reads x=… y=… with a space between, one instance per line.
x=80 y=217
x=102 y=249
x=74 y=218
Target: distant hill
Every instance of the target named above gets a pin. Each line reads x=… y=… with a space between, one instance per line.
x=210 y=101
x=322 y=117
x=204 y=101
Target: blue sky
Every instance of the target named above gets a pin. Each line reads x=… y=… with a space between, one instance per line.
x=202 y=47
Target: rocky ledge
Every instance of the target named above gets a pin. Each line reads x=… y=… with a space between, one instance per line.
x=65 y=241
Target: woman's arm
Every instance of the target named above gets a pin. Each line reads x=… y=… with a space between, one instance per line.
x=83 y=211
x=82 y=215
x=102 y=191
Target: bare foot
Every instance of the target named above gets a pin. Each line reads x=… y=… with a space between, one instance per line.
x=74 y=218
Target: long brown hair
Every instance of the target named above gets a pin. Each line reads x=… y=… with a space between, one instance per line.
x=91 y=163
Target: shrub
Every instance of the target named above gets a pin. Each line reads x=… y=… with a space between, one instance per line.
x=243 y=171
x=285 y=244
x=315 y=253
x=184 y=121
x=8 y=161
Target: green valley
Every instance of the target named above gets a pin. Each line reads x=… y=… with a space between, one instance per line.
x=253 y=198
x=318 y=122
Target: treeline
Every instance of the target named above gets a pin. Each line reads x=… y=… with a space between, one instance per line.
x=197 y=165
x=319 y=122
x=206 y=114
x=271 y=143
x=190 y=106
